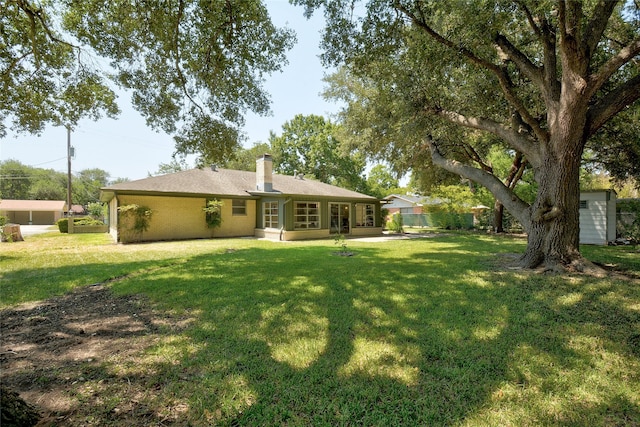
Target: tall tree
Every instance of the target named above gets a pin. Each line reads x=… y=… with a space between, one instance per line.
x=244 y=159
x=86 y=185
x=381 y=182
x=15 y=180
x=542 y=76
x=310 y=145
x=194 y=67
x=176 y=164
x=47 y=184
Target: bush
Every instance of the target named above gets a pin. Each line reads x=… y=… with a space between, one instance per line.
x=628 y=221
x=509 y=222
x=395 y=224
x=133 y=221
x=97 y=210
x=3 y=221
x=63 y=223
x=454 y=208
x=213 y=212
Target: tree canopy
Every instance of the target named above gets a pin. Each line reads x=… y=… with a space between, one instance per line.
x=45 y=75
x=309 y=145
x=22 y=182
x=542 y=78
x=194 y=68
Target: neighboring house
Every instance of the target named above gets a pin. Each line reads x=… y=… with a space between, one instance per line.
x=260 y=204
x=78 y=210
x=597 y=217
x=408 y=204
x=414 y=213
x=33 y=212
x=405 y=204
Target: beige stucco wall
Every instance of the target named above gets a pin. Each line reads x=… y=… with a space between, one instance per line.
x=305 y=234
x=176 y=218
x=366 y=231
x=236 y=225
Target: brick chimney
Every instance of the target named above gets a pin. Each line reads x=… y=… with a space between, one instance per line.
x=264 y=170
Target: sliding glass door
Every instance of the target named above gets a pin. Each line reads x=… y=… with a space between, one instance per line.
x=339 y=218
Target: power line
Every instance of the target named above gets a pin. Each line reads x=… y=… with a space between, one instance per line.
x=50 y=161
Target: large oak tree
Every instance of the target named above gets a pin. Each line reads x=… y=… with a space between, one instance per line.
x=542 y=77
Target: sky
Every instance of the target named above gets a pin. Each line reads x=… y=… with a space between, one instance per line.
x=127 y=148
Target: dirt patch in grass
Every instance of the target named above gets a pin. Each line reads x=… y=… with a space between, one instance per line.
x=63 y=355
x=509 y=262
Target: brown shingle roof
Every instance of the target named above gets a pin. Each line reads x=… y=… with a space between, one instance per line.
x=230 y=183
x=32 y=205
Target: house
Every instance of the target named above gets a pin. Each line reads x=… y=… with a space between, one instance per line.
x=33 y=212
x=421 y=211
x=404 y=203
x=260 y=204
x=597 y=217
x=78 y=210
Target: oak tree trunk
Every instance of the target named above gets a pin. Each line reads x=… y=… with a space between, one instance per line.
x=554 y=230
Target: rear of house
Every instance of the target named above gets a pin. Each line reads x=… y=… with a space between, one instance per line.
x=597 y=217
x=260 y=204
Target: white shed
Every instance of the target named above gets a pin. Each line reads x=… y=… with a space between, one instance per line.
x=597 y=217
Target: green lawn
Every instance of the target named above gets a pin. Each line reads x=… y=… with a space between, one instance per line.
x=427 y=331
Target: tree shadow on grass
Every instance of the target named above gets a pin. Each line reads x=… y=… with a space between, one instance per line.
x=291 y=335
x=374 y=340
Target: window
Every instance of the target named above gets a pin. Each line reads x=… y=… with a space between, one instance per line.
x=270 y=214
x=583 y=204
x=306 y=215
x=365 y=215
x=239 y=207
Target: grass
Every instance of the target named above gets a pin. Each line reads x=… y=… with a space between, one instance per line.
x=413 y=332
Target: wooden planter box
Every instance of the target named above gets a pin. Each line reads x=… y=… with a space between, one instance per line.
x=77 y=229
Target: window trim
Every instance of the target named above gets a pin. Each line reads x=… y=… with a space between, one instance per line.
x=364 y=219
x=270 y=207
x=301 y=220
x=242 y=208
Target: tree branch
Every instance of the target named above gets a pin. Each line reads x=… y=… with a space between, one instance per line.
x=512 y=136
x=595 y=28
x=506 y=196
x=183 y=80
x=500 y=73
x=547 y=37
x=611 y=104
x=625 y=55
x=569 y=17
x=523 y=63
x=36 y=14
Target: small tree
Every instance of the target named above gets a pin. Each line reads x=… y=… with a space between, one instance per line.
x=396 y=224
x=133 y=221
x=96 y=210
x=456 y=201
x=213 y=212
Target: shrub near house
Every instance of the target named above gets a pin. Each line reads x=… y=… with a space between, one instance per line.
x=82 y=225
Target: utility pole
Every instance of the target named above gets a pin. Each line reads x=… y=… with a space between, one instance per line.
x=68 y=170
